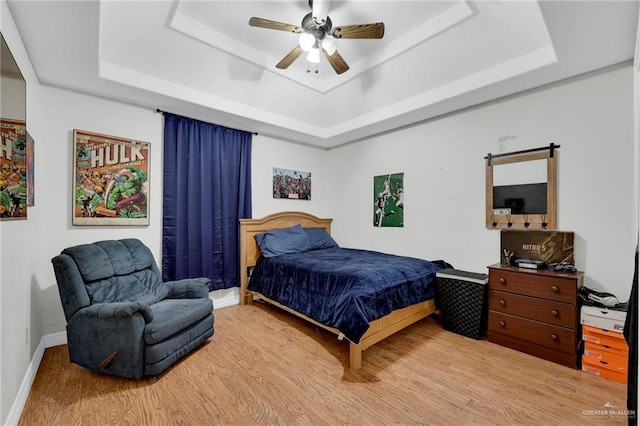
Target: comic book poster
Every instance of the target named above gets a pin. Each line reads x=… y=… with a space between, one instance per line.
x=111 y=180
x=388 y=200
x=13 y=169
x=291 y=184
x=30 y=171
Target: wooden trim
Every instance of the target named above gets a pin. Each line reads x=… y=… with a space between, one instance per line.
x=378 y=329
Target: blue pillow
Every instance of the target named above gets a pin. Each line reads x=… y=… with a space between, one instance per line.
x=283 y=241
x=319 y=238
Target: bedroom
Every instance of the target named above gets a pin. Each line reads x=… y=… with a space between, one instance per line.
x=591 y=117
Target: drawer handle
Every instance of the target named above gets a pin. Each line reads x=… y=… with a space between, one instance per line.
x=502 y=323
x=555 y=313
x=554 y=337
x=502 y=281
x=555 y=288
x=503 y=302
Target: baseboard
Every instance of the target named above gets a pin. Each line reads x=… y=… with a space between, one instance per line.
x=23 y=392
x=226 y=301
x=57 y=339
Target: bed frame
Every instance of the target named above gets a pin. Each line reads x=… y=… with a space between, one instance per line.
x=378 y=330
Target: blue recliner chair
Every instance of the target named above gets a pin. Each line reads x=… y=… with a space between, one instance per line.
x=121 y=318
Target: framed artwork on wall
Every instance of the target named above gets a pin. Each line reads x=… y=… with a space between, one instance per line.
x=291 y=184
x=31 y=198
x=13 y=169
x=111 y=180
x=388 y=200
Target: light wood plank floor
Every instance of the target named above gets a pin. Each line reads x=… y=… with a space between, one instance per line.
x=263 y=366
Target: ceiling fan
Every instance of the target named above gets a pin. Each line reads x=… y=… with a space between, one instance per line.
x=317 y=34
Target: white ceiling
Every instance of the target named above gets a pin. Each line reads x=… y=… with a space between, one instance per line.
x=201 y=58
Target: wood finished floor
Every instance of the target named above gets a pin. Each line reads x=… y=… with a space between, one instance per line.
x=264 y=367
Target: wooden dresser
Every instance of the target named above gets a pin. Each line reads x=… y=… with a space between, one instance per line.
x=536 y=312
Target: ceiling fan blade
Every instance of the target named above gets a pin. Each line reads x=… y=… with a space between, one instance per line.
x=359 y=31
x=320 y=10
x=273 y=25
x=337 y=62
x=291 y=56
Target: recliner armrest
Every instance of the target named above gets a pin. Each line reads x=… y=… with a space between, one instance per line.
x=118 y=310
x=189 y=288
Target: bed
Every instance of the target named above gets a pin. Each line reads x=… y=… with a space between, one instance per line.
x=376 y=302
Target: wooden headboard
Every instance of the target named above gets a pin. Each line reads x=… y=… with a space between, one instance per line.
x=249 y=251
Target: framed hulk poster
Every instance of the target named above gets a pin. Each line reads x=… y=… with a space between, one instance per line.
x=111 y=180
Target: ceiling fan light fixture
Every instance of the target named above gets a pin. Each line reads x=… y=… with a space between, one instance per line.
x=314 y=56
x=306 y=41
x=330 y=45
x=316 y=33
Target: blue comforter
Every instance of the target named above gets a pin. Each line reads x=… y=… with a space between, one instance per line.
x=345 y=288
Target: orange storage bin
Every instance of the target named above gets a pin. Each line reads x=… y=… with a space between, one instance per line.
x=593 y=365
x=604 y=337
x=607 y=354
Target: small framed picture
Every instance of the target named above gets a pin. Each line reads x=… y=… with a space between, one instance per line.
x=291 y=184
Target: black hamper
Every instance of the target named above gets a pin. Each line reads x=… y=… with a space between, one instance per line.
x=462 y=299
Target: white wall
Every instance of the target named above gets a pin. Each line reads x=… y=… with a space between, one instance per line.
x=12 y=88
x=269 y=153
x=591 y=118
x=56 y=113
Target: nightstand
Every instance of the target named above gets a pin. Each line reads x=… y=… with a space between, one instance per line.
x=536 y=312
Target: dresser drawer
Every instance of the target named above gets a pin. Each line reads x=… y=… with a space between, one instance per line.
x=549 y=311
x=531 y=284
x=551 y=336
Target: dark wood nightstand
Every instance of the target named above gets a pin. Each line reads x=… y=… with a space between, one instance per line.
x=535 y=311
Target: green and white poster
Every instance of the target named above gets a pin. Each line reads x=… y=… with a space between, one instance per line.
x=388 y=200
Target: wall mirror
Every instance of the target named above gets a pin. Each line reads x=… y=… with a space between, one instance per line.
x=521 y=189
x=13 y=137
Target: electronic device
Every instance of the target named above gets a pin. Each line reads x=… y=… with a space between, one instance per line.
x=595 y=298
x=563 y=267
x=530 y=264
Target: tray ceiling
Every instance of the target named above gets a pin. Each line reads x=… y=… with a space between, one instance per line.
x=202 y=59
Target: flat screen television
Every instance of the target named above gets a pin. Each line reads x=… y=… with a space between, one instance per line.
x=530 y=198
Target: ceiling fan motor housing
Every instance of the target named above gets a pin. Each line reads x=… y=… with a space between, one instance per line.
x=318 y=31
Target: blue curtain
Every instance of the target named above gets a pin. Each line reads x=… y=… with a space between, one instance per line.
x=207 y=188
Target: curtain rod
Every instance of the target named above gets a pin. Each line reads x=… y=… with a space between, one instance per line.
x=551 y=148
x=159 y=111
